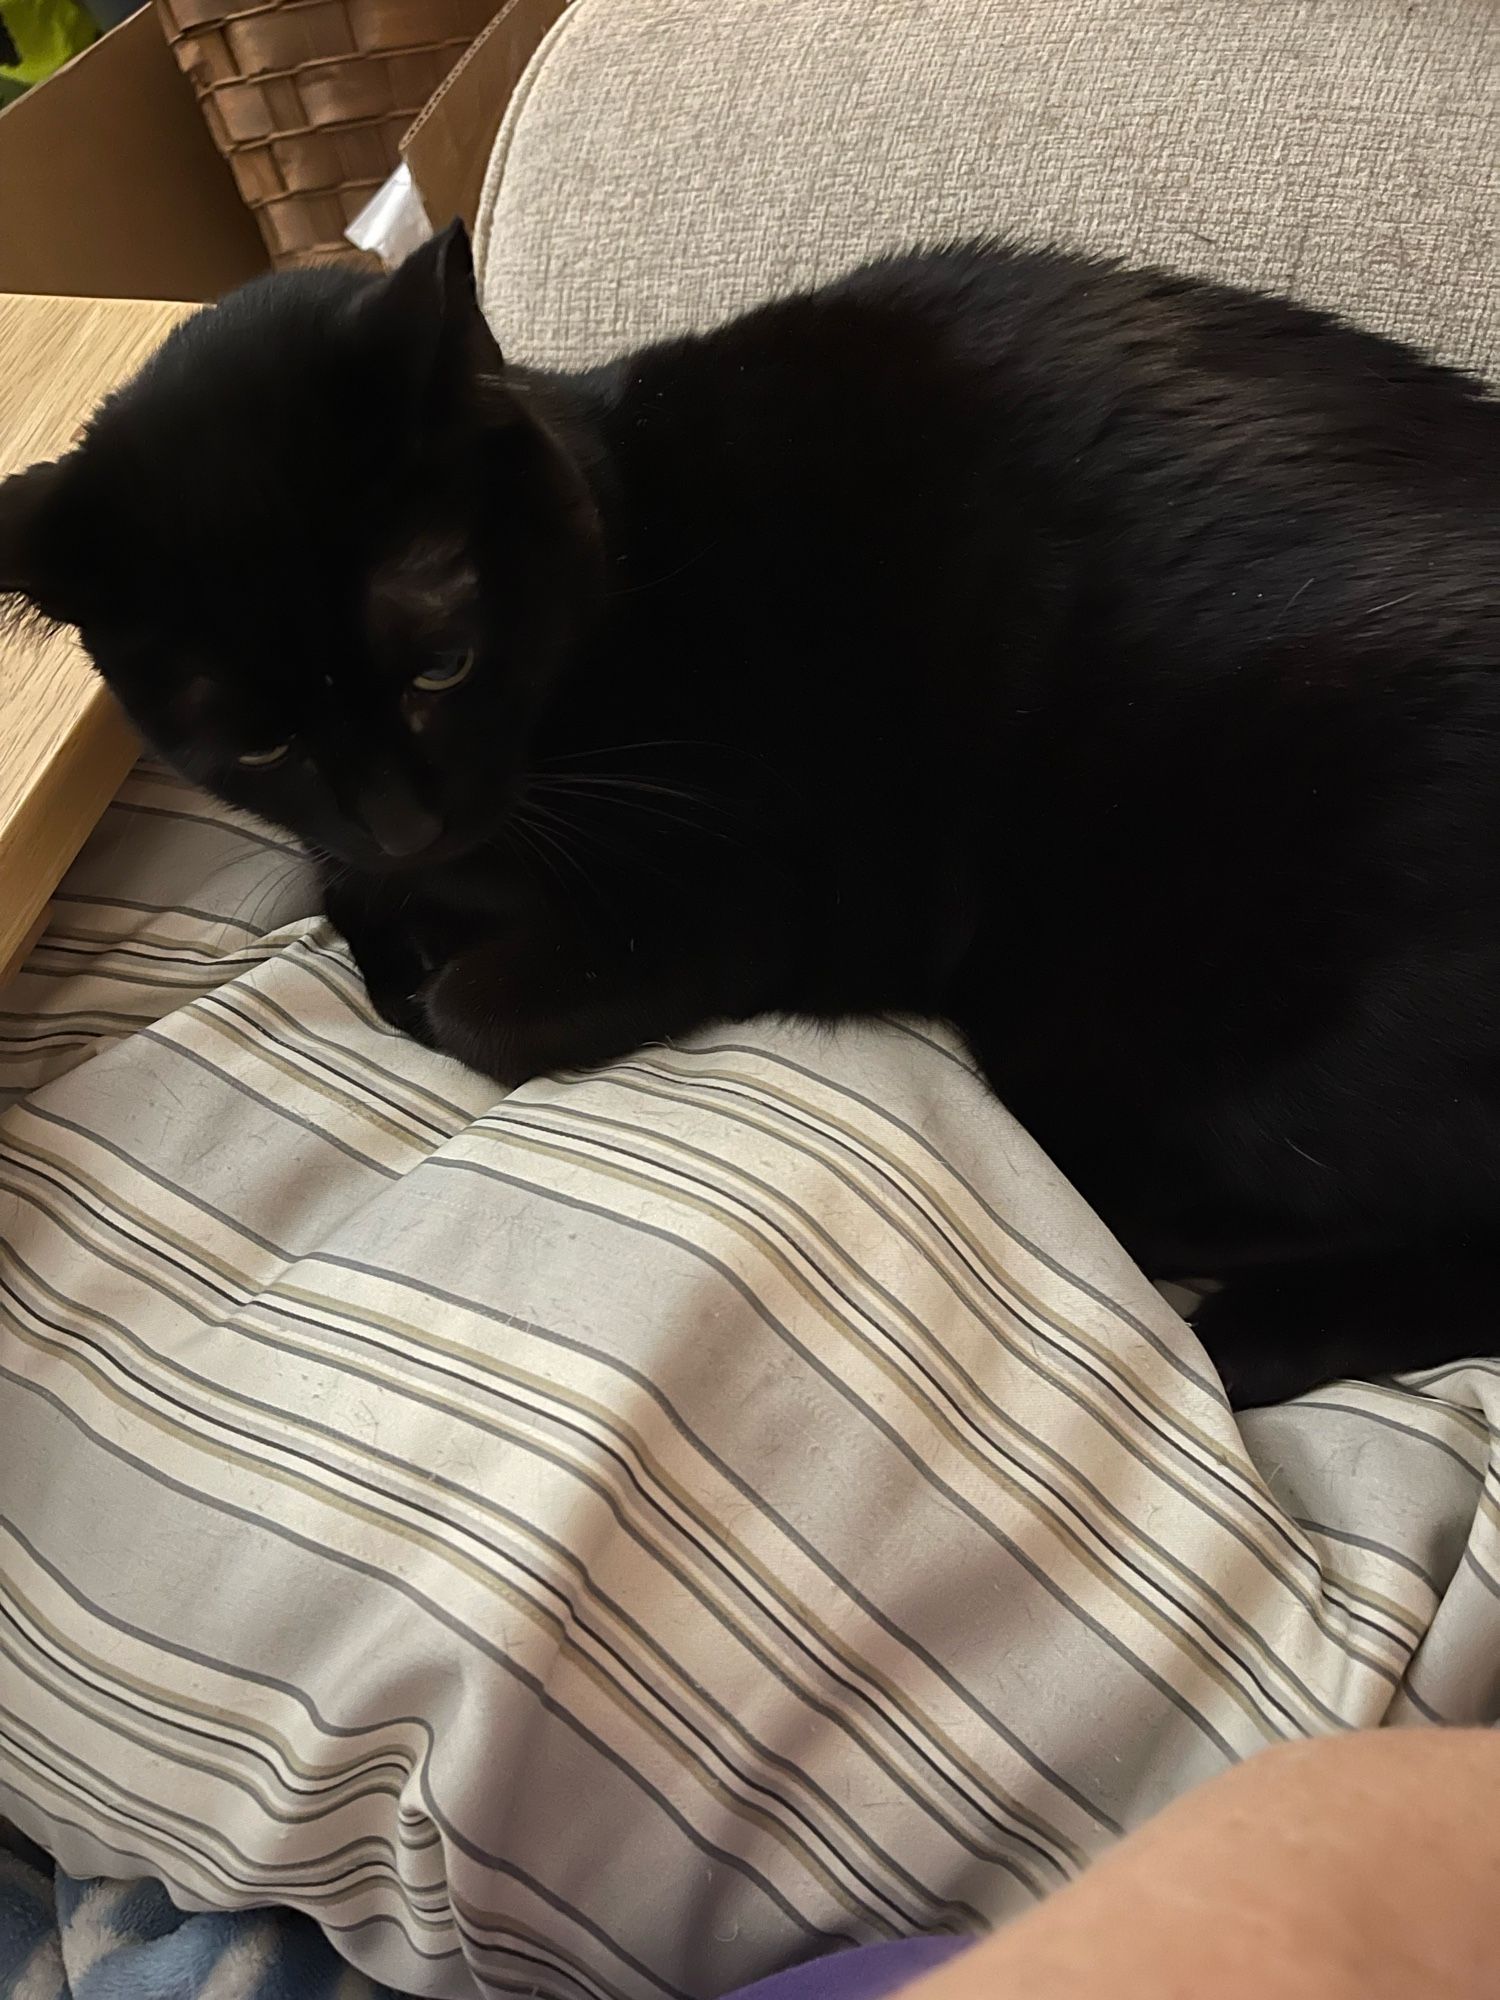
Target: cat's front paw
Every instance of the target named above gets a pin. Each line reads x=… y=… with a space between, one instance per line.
x=405 y=1012
x=392 y=957
x=519 y=1008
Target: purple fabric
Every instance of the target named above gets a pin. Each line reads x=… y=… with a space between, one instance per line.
x=868 y=1972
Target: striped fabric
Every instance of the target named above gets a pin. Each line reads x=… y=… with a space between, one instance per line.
x=625 y=1538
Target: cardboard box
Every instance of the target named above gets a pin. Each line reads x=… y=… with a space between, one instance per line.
x=112 y=185
x=113 y=189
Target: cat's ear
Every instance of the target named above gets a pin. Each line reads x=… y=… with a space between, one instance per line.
x=427 y=312
x=35 y=556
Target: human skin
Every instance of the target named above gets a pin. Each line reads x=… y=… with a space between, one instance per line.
x=1364 y=1867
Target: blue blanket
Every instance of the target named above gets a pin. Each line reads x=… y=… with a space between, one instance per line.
x=62 y=1939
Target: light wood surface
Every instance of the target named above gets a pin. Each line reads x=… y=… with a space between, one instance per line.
x=64 y=746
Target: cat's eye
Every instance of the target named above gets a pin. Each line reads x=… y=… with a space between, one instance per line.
x=264 y=760
x=446 y=671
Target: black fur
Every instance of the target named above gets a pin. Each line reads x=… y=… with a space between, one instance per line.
x=1105 y=661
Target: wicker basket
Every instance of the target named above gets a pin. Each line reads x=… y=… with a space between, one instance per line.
x=308 y=100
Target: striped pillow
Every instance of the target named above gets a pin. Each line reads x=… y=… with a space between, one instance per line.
x=623 y=1538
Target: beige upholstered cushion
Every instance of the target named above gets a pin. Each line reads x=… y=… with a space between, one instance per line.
x=669 y=161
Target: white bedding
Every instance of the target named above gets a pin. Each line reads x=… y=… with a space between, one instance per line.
x=620 y=1539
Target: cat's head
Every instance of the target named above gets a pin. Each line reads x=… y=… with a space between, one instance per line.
x=328 y=554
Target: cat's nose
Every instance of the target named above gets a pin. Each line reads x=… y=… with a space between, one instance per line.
x=400 y=825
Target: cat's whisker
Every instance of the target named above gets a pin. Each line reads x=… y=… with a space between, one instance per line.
x=656 y=582
x=625 y=749
x=610 y=793
x=739 y=752
x=612 y=850
x=647 y=811
x=557 y=845
x=548 y=846
x=625 y=782
x=517 y=832
x=281 y=877
x=572 y=830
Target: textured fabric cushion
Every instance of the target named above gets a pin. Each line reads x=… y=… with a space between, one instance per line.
x=669 y=161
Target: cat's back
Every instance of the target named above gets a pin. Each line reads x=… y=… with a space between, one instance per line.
x=1094 y=370
x=1144 y=408
x=1226 y=457
x=1145 y=471
x=1090 y=339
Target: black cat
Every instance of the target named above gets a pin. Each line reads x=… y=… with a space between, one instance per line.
x=1105 y=661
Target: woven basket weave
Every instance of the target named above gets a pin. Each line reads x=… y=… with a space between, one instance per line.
x=308 y=100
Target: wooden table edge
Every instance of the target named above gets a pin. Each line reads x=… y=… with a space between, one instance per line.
x=49 y=825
